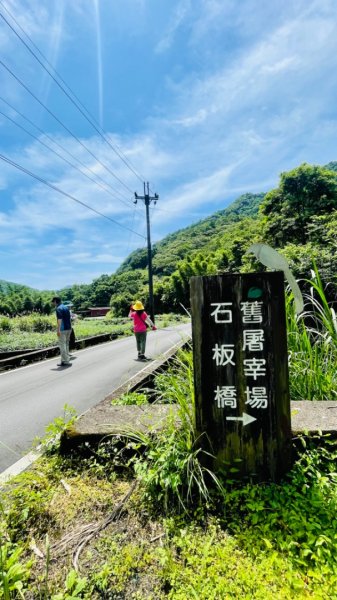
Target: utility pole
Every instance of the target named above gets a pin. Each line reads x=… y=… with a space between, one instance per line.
x=147 y=199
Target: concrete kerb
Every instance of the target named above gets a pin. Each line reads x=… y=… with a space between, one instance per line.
x=307 y=417
x=106 y=419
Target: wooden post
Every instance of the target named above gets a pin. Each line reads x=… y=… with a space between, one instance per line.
x=241 y=372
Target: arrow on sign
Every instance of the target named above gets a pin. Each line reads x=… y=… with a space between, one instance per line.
x=245 y=419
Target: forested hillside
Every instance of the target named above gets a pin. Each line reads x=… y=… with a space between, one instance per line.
x=17 y=299
x=299 y=218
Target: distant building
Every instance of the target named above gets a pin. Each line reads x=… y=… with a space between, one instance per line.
x=98 y=311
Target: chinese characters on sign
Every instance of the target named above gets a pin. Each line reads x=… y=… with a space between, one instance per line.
x=254 y=367
x=241 y=372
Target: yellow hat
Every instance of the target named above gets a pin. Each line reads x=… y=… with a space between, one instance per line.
x=138 y=305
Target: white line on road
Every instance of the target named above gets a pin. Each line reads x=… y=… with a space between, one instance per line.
x=19 y=466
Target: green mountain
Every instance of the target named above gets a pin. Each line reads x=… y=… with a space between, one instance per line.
x=7 y=287
x=299 y=218
x=192 y=239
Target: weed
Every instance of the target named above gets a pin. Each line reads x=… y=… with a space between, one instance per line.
x=50 y=442
x=296 y=518
x=13 y=573
x=74 y=588
x=131 y=398
x=5 y=324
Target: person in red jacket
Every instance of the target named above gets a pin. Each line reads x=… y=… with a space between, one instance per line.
x=141 y=321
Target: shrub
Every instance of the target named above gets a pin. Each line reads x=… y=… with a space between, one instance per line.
x=5 y=324
x=35 y=323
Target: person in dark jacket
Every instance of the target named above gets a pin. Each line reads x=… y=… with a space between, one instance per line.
x=63 y=330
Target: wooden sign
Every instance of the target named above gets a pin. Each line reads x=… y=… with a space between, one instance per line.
x=241 y=372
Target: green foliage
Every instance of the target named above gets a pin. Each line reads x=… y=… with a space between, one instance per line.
x=5 y=324
x=187 y=268
x=75 y=587
x=303 y=193
x=312 y=346
x=53 y=432
x=131 y=398
x=135 y=260
x=296 y=518
x=37 y=331
x=18 y=299
x=13 y=573
x=171 y=466
x=35 y=323
x=206 y=563
x=26 y=506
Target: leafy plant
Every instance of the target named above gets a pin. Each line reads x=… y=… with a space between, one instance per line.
x=13 y=574
x=5 y=324
x=296 y=518
x=74 y=589
x=131 y=398
x=51 y=441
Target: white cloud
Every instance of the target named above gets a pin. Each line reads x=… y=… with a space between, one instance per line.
x=179 y=14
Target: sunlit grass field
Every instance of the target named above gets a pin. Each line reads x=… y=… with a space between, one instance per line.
x=36 y=331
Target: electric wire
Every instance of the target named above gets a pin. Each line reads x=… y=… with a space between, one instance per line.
x=119 y=153
x=115 y=191
x=63 y=125
x=7 y=160
x=62 y=157
x=76 y=103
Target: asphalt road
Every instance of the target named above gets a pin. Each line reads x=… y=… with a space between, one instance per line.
x=32 y=397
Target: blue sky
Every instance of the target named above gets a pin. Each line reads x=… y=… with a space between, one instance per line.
x=205 y=99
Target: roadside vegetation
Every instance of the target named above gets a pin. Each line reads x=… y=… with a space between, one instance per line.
x=312 y=344
x=36 y=331
x=140 y=517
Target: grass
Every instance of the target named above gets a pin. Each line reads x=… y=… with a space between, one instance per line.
x=312 y=346
x=38 y=331
x=252 y=542
x=23 y=333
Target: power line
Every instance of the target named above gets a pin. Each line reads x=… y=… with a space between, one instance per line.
x=64 y=149
x=76 y=103
x=64 y=126
x=62 y=157
x=57 y=189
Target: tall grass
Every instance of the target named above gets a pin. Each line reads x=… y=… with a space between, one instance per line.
x=171 y=464
x=312 y=345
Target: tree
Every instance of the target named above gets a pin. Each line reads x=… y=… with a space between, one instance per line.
x=187 y=268
x=303 y=193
